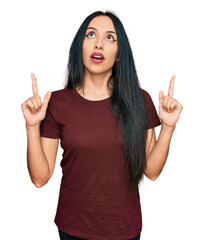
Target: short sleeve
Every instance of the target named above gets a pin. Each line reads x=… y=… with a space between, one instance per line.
x=152 y=116
x=48 y=126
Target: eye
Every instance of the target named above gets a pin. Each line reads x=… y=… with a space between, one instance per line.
x=111 y=38
x=90 y=34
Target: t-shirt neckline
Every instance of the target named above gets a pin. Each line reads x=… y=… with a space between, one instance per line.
x=89 y=102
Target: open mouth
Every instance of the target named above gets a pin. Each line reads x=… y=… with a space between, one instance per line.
x=97 y=57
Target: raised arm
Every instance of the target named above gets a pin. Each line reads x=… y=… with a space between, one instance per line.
x=169 y=112
x=41 y=152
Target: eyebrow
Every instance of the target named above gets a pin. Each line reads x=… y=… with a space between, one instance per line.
x=96 y=30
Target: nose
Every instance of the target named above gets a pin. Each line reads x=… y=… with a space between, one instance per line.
x=99 y=44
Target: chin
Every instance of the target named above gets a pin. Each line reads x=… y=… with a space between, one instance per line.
x=98 y=69
x=100 y=72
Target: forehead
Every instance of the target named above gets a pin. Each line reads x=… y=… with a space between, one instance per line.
x=102 y=23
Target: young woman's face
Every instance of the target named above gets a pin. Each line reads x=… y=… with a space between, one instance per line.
x=100 y=38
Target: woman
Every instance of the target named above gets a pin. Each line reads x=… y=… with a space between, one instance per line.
x=106 y=125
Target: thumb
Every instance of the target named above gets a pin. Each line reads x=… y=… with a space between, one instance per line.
x=46 y=99
x=161 y=98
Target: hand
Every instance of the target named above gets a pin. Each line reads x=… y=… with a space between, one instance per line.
x=33 y=109
x=169 y=108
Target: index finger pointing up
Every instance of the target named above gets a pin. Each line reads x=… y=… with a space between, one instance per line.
x=34 y=85
x=171 y=86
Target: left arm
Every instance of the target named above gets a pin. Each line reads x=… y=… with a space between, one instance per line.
x=157 y=153
x=157 y=157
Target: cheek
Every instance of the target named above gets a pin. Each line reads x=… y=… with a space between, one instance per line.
x=112 y=55
x=85 y=53
x=87 y=49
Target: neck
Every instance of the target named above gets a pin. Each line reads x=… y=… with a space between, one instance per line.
x=95 y=85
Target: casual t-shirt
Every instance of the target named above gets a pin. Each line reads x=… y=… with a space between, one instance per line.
x=94 y=200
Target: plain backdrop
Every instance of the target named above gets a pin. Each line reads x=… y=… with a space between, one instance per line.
x=166 y=39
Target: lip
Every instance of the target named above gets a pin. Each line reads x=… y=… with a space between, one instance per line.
x=98 y=54
x=97 y=60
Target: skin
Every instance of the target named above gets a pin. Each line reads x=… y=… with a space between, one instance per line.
x=169 y=113
x=42 y=151
x=96 y=75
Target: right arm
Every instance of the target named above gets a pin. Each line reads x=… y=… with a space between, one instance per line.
x=41 y=155
x=41 y=151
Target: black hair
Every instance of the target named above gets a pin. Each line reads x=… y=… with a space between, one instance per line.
x=127 y=101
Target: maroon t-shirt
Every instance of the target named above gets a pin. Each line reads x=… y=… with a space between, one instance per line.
x=95 y=200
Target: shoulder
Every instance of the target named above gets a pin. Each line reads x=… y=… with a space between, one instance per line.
x=145 y=92
x=148 y=100
x=58 y=99
x=61 y=95
x=146 y=95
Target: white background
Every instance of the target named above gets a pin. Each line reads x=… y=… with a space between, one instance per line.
x=166 y=39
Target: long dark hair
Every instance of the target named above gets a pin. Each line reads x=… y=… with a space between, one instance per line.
x=127 y=101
